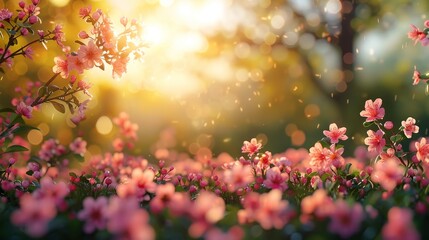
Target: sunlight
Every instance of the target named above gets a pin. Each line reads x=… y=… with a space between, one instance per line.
x=176 y=32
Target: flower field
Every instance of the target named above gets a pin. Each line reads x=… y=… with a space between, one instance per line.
x=52 y=191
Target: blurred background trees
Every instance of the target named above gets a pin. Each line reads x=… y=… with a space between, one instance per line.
x=218 y=72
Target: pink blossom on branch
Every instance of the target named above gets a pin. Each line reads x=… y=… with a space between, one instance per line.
x=410 y=127
x=415 y=34
x=24 y=109
x=276 y=179
x=387 y=173
x=251 y=147
x=90 y=55
x=335 y=133
x=375 y=141
x=422 y=150
x=416 y=76
x=373 y=110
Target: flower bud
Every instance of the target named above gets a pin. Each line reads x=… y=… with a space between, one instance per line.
x=41 y=33
x=388 y=125
x=96 y=15
x=35 y=2
x=21 y=4
x=33 y=19
x=24 y=32
x=12 y=161
x=427 y=23
x=83 y=35
x=21 y=15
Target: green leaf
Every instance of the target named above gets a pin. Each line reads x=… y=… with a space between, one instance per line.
x=367 y=124
x=29 y=172
x=53 y=88
x=15 y=148
x=71 y=108
x=72 y=174
x=347 y=168
x=396 y=138
x=42 y=91
x=58 y=106
x=24 y=25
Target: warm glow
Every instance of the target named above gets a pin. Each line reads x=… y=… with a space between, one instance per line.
x=176 y=32
x=60 y=3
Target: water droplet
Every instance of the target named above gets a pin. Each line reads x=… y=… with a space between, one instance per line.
x=427 y=90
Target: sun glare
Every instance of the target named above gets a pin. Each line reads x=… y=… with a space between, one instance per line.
x=175 y=32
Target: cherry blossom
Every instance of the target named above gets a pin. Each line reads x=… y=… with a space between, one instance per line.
x=410 y=127
x=373 y=110
x=375 y=141
x=94 y=213
x=335 y=133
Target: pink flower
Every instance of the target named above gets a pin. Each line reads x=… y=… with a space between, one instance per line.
x=272 y=211
x=319 y=157
x=24 y=110
x=5 y=14
x=141 y=183
x=416 y=76
x=410 y=127
x=59 y=35
x=119 y=66
x=54 y=191
x=373 y=110
x=415 y=34
x=345 y=219
x=335 y=134
x=80 y=113
x=85 y=11
x=387 y=174
x=61 y=66
x=238 y=176
x=28 y=53
x=399 y=225
x=251 y=147
x=375 y=141
x=206 y=210
x=179 y=203
x=422 y=150
x=78 y=146
x=90 y=54
x=334 y=156
x=276 y=179
x=319 y=204
x=127 y=221
x=75 y=63
x=389 y=154
x=163 y=195
x=51 y=148
x=94 y=213
x=34 y=214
